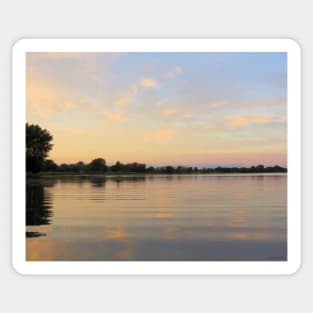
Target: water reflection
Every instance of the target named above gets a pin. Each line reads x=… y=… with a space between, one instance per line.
x=38 y=206
x=158 y=217
x=98 y=182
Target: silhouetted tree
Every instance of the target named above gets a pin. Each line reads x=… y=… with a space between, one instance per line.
x=117 y=167
x=49 y=166
x=150 y=169
x=80 y=166
x=98 y=166
x=38 y=144
x=260 y=168
x=169 y=170
x=64 y=167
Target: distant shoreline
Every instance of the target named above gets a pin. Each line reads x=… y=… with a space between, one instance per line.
x=117 y=175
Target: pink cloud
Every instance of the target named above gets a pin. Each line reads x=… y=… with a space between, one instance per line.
x=45 y=100
x=160 y=134
x=127 y=97
x=149 y=83
x=117 y=116
x=243 y=120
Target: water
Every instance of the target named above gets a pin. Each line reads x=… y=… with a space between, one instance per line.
x=177 y=217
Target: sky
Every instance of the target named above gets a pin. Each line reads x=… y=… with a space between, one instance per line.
x=200 y=109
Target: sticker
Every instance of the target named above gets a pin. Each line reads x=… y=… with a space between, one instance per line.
x=156 y=156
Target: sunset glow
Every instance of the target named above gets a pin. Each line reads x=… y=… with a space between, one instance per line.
x=161 y=108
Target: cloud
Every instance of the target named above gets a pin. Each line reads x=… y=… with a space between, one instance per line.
x=45 y=100
x=228 y=125
x=116 y=116
x=216 y=104
x=233 y=104
x=71 y=129
x=188 y=116
x=169 y=112
x=68 y=105
x=160 y=102
x=268 y=104
x=127 y=97
x=149 y=83
x=160 y=134
x=250 y=105
x=256 y=119
x=209 y=126
x=173 y=72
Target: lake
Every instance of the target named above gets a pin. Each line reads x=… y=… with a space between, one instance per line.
x=158 y=217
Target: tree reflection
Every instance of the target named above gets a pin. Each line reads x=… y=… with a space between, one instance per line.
x=120 y=179
x=38 y=207
x=98 y=181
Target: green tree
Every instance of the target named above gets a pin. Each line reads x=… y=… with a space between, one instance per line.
x=38 y=145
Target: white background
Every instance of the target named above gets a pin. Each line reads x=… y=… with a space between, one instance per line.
x=175 y=18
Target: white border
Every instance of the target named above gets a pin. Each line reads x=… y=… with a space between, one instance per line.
x=147 y=267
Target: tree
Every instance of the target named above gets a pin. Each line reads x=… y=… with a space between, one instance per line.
x=98 y=165
x=260 y=168
x=49 y=166
x=80 y=166
x=38 y=145
x=169 y=169
x=117 y=167
x=64 y=167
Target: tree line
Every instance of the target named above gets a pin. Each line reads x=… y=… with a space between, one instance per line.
x=99 y=165
x=38 y=145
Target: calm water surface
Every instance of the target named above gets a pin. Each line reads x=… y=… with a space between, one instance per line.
x=177 y=217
